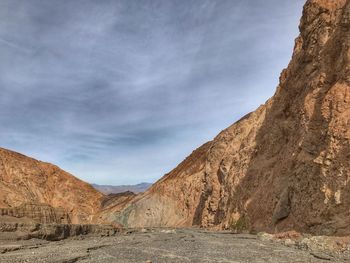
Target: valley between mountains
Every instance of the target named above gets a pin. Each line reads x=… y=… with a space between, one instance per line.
x=284 y=168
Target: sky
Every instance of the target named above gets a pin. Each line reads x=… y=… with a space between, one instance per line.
x=121 y=91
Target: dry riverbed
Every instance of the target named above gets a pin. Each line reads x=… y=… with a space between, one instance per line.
x=165 y=245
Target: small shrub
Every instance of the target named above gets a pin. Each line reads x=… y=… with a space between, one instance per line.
x=239 y=225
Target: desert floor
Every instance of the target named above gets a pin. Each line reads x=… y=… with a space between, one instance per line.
x=160 y=245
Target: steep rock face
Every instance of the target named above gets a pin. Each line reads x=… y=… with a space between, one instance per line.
x=39 y=213
x=284 y=166
x=25 y=180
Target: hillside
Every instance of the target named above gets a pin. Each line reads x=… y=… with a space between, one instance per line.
x=25 y=181
x=284 y=166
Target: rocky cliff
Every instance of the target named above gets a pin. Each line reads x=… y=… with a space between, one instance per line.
x=43 y=192
x=38 y=213
x=284 y=166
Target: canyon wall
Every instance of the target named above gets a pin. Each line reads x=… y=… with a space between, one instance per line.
x=284 y=166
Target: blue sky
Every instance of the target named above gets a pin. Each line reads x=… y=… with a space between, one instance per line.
x=120 y=92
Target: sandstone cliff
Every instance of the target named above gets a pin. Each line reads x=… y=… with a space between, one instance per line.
x=26 y=184
x=38 y=213
x=284 y=166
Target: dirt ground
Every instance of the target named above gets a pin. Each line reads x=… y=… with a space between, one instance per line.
x=161 y=245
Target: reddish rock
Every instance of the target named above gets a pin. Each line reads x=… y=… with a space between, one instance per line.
x=26 y=184
x=285 y=166
x=288 y=235
x=39 y=213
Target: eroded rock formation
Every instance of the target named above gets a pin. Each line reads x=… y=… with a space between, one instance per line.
x=284 y=166
x=39 y=213
x=53 y=232
x=43 y=192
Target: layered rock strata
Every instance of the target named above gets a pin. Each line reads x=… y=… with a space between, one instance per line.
x=39 y=213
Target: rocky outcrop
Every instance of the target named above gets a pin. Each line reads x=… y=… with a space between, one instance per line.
x=39 y=213
x=26 y=184
x=52 y=232
x=284 y=166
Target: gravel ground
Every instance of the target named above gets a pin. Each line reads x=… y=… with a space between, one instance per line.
x=160 y=245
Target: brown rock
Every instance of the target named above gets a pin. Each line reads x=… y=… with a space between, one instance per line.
x=52 y=232
x=44 y=192
x=298 y=140
x=39 y=213
x=288 y=235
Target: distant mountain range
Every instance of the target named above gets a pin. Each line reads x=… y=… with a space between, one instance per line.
x=114 y=189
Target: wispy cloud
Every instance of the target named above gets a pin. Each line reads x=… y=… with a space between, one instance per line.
x=121 y=91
